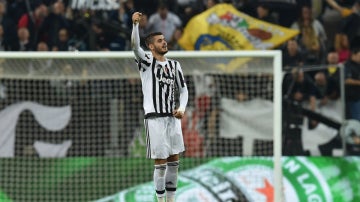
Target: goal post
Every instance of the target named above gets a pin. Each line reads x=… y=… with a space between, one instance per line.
x=276 y=55
x=88 y=105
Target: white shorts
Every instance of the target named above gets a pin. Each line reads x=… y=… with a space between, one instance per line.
x=163 y=137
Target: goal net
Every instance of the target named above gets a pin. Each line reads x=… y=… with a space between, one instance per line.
x=72 y=123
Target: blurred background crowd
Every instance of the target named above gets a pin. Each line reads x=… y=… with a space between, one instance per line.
x=62 y=25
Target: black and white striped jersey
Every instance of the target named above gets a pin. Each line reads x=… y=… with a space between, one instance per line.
x=159 y=82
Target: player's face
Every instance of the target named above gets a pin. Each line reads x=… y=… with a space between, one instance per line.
x=160 y=45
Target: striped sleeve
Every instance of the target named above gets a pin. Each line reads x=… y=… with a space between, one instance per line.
x=142 y=59
x=180 y=80
x=179 y=75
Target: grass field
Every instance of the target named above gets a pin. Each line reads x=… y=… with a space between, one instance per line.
x=74 y=179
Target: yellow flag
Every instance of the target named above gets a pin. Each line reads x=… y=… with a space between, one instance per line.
x=223 y=27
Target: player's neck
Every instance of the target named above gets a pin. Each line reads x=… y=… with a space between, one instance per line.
x=159 y=57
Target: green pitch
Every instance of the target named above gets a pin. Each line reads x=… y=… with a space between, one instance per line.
x=74 y=179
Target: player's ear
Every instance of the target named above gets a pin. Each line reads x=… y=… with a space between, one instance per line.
x=151 y=46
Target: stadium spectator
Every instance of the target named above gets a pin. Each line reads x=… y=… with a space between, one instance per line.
x=123 y=15
x=352 y=84
x=327 y=88
x=111 y=34
x=8 y=27
x=164 y=21
x=42 y=46
x=188 y=8
x=15 y=9
x=186 y=12
x=332 y=57
x=82 y=37
x=317 y=8
x=332 y=17
x=264 y=14
x=312 y=36
x=311 y=46
x=210 y=3
x=23 y=43
x=300 y=88
x=345 y=11
x=103 y=38
x=342 y=46
x=54 y=22
x=292 y=56
x=173 y=43
x=331 y=73
x=351 y=24
x=34 y=22
x=333 y=66
x=350 y=19
x=62 y=43
x=76 y=44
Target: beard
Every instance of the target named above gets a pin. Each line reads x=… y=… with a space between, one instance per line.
x=161 y=50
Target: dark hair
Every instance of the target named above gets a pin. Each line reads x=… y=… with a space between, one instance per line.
x=149 y=38
x=264 y=6
x=331 y=49
x=163 y=5
x=355 y=50
x=355 y=45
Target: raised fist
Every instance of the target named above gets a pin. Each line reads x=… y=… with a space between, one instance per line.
x=136 y=17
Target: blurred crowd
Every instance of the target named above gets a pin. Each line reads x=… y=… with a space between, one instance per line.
x=328 y=43
x=63 y=25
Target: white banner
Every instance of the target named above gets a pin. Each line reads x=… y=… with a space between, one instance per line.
x=95 y=5
x=50 y=118
x=247 y=119
x=49 y=150
x=322 y=133
x=254 y=120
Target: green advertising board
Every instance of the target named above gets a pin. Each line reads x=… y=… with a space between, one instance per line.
x=315 y=179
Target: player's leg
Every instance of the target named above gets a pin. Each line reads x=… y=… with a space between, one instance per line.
x=158 y=150
x=172 y=167
x=159 y=179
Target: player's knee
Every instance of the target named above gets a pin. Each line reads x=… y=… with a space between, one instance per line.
x=160 y=161
x=172 y=158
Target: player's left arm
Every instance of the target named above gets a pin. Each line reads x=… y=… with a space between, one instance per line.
x=184 y=94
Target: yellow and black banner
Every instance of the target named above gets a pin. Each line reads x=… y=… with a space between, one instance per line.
x=223 y=27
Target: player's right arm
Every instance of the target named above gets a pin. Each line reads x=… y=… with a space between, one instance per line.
x=135 y=38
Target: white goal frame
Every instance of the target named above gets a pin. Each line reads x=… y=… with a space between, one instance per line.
x=277 y=88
